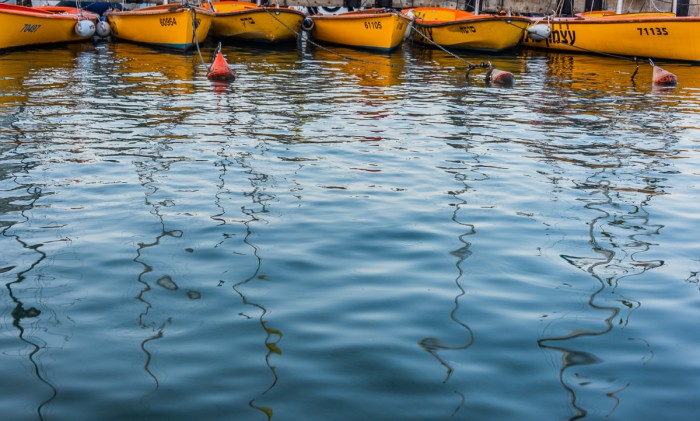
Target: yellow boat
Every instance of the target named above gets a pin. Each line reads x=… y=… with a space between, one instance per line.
x=28 y=26
x=249 y=22
x=376 y=29
x=459 y=29
x=655 y=35
x=168 y=25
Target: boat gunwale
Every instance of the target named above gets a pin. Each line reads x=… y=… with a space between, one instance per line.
x=617 y=19
x=49 y=12
x=359 y=14
x=159 y=10
x=257 y=10
x=437 y=23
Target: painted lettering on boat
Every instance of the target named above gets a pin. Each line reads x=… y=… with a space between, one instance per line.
x=246 y=21
x=168 y=22
x=30 y=28
x=653 y=31
x=561 y=36
x=373 y=25
x=467 y=29
x=426 y=32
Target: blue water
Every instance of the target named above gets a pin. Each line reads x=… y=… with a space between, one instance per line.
x=334 y=239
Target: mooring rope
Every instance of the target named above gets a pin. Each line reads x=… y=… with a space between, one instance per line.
x=194 y=33
x=617 y=56
x=634 y=59
x=469 y=64
x=315 y=44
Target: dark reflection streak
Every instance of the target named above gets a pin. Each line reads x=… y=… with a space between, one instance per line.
x=272 y=336
x=612 y=396
x=611 y=165
x=223 y=164
x=146 y=177
x=20 y=312
x=460 y=405
x=147 y=364
x=572 y=358
x=434 y=345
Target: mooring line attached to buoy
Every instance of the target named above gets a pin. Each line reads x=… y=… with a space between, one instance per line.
x=469 y=64
x=494 y=75
x=668 y=78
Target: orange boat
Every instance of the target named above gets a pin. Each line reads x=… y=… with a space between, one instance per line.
x=657 y=35
x=247 y=21
x=29 y=26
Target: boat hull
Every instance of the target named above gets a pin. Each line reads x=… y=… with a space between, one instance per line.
x=457 y=29
x=165 y=26
x=29 y=26
x=249 y=22
x=642 y=35
x=373 y=29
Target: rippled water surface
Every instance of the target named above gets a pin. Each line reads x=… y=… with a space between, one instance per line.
x=334 y=239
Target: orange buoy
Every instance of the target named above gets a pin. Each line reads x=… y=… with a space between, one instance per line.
x=500 y=77
x=219 y=69
x=664 y=77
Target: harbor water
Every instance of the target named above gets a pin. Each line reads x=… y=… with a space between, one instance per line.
x=342 y=235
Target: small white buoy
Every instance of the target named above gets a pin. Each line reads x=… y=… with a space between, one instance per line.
x=102 y=29
x=538 y=32
x=407 y=32
x=85 y=28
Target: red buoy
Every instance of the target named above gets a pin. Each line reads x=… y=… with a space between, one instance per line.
x=219 y=70
x=664 y=77
x=500 y=77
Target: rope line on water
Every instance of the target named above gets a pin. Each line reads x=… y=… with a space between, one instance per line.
x=430 y=41
x=470 y=66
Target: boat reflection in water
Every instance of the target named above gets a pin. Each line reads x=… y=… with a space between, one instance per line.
x=350 y=66
x=621 y=235
x=423 y=58
x=139 y=68
x=615 y=144
x=24 y=274
x=27 y=76
x=572 y=73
